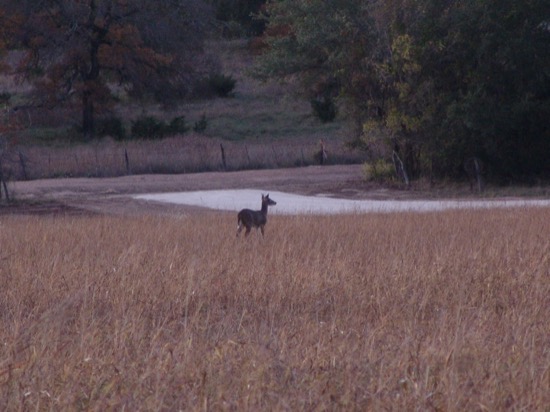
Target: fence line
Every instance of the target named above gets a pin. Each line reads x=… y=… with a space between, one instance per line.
x=167 y=156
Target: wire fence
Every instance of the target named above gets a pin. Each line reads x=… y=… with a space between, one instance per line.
x=108 y=158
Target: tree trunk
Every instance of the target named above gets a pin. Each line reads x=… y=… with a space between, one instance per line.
x=92 y=75
x=87 y=116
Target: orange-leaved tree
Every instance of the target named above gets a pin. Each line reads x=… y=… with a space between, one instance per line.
x=78 y=49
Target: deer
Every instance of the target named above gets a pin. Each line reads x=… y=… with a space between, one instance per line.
x=254 y=218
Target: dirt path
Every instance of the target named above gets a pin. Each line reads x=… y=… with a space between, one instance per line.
x=112 y=195
x=77 y=196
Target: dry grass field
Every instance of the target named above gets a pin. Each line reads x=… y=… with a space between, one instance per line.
x=188 y=154
x=446 y=311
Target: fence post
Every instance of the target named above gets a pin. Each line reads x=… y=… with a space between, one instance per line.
x=126 y=161
x=223 y=158
x=3 y=184
x=23 y=166
x=247 y=155
x=275 y=156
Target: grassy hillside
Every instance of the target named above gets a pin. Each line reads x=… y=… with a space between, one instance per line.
x=445 y=311
x=258 y=110
x=262 y=125
x=269 y=111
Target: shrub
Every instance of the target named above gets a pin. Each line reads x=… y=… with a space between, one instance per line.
x=239 y=15
x=200 y=125
x=111 y=126
x=222 y=85
x=379 y=170
x=148 y=127
x=177 y=126
x=324 y=108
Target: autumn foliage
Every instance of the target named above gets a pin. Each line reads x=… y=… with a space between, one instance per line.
x=76 y=50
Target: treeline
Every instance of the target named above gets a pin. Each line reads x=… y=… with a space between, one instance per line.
x=432 y=82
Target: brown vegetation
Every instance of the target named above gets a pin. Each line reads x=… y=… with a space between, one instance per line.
x=445 y=311
x=181 y=154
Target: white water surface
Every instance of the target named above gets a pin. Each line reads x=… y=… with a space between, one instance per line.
x=292 y=204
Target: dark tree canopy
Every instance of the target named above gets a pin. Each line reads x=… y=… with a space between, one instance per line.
x=242 y=12
x=439 y=82
x=76 y=49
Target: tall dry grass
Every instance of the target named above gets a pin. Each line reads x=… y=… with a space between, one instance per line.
x=181 y=154
x=447 y=311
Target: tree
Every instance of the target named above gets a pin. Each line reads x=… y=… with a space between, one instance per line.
x=241 y=12
x=438 y=82
x=76 y=49
x=502 y=113
x=327 y=43
x=481 y=88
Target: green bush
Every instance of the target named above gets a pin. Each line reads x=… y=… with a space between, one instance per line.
x=379 y=171
x=148 y=127
x=324 y=108
x=200 y=125
x=222 y=85
x=177 y=126
x=111 y=126
x=241 y=13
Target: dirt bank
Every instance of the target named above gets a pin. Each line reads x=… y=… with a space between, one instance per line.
x=77 y=196
x=112 y=195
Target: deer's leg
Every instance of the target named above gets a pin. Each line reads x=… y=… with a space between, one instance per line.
x=262 y=229
x=247 y=231
x=239 y=224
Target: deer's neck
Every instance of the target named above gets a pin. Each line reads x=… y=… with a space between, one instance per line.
x=264 y=209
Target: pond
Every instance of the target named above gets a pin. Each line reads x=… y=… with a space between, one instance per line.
x=289 y=203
